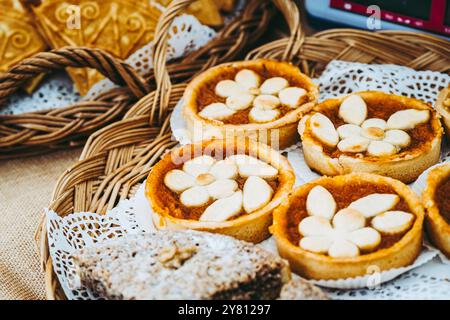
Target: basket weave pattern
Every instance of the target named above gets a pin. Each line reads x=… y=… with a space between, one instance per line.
x=118 y=158
x=33 y=133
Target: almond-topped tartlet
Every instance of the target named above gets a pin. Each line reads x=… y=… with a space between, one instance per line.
x=338 y=227
x=222 y=186
x=443 y=107
x=372 y=132
x=436 y=199
x=260 y=99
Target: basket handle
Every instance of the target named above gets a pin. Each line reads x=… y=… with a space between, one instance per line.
x=75 y=57
x=162 y=78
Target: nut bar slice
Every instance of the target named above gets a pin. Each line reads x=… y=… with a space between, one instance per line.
x=181 y=265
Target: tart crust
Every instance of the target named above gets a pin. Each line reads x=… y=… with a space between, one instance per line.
x=437 y=227
x=252 y=227
x=317 y=266
x=279 y=134
x=444 y=110
x=405 y=166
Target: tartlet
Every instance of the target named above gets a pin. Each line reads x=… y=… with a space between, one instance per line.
x=372 y=132
x=260 y=99
x=436 y=199
x=228 y=186
x=339 y=227
x=443 y=107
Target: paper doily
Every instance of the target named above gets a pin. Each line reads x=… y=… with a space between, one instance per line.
x=430 y=281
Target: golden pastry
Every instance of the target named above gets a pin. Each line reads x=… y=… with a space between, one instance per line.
x=344 y=226
x=206 y=11
x=18 y=36
x=119 y=27
x=229 y=187
x=260 y=99
x=443 y=108
x=436 y=199
x=372 y=132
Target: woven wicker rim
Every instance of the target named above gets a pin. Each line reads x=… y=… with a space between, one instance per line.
x=119 y=157
x=38 y=132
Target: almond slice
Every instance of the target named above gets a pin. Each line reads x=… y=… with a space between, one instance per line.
x=274 y=85
x=222 y=188
x=343 y=249
x=292 y=96
x=372 y=133
x=315 y=244
x=248 y=79
x=228 y=88
x=195 y=197
x=381 y=149
x=266 y=102
x=354 y=144
x=348 y=220
x=320 y=203
x=375 y=204
x=258 y=115
x=216 y=111
x=224 y=169
x=315 y=227
x=240 y=101
x=178 y=181
x=353 y=110
x=408 y=119
x=250 y=166
x=365 y=238
x=398 y=138
x=349 y=130
x=198 y=165
x=257 y=193
x=205 y=179
x=323 y=129
x=393 y=222
x=223 y=209
x=374 y=123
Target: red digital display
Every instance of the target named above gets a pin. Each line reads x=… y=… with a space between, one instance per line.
x=429 y=15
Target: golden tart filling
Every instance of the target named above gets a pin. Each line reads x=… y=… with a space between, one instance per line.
x=259 y=99
x=348 y=221
x=215 y=190
x=442 y=198
x=436 y=200
x=251 y=94
x=340 y=227
x=225 y=186
x=371 y=132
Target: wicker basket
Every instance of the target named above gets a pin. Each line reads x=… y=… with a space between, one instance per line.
x=119 y=157
x=38 y=132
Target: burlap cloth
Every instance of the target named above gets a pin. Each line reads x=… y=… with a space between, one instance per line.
x=26 y=186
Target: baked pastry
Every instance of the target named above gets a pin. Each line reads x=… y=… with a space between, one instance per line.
x=443 y=108
x=436 y=199
x=372 y=132
x=119 y=27
x=338 y=227
x=207 y=11
x=180 y=266
x=300 y=289
x=260 y=99
x=18 y=37
x=221 y=186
